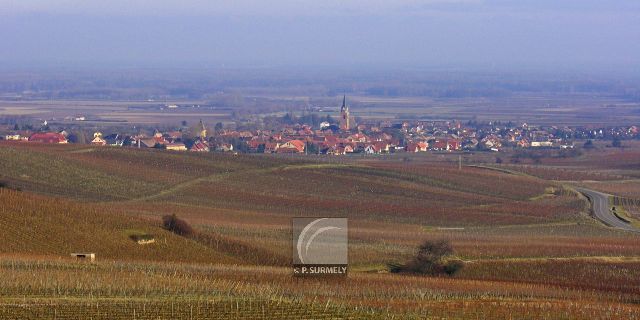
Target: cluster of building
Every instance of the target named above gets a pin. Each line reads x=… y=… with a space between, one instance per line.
x=347 y=137
x=418 y=136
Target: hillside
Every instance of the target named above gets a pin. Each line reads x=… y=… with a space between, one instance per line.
x=435 y=194
x=41 y=226
x=530 y=249
x=241 y=205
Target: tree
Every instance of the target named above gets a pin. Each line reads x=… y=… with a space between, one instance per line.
x=616 y=143
x=219 y=126
x=330 y=119
x=79 y=137
x=569 y=153
x=588 y=144
x=239 y=145
x=311 y=148
x=432 y=258
x=288 y=119
x=482 y=147
x=176 y=225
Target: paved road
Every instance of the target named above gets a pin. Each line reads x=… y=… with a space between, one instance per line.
x=602 y=210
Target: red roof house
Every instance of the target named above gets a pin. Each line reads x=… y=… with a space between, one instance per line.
x=200 y=146
x=48 y=137
x=448 y=145
x=293 y=146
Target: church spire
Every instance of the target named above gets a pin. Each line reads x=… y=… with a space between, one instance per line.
x=344 y=114
x=202 y=130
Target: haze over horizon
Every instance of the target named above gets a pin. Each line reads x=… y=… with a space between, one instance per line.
x=545 y=35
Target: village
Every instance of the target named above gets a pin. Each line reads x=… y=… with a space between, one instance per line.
x=343 y=136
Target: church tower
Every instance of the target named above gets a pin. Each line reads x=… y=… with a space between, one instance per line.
x=202 y=131
x=344 y=115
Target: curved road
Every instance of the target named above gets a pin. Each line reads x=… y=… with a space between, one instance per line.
x=602 y=210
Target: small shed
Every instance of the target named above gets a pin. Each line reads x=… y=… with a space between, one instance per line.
x=85 y=256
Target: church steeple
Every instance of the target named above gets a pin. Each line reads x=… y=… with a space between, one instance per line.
x=202 y=130
x=345 y=115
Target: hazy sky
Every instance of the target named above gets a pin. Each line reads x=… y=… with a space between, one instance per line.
x=451 y=33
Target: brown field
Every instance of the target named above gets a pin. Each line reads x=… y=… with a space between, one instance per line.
x=546 y=109
x=531 y=251
x=532 y=108
x=105 y=112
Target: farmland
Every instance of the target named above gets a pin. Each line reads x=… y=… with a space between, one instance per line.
x=254 y=290
x=121 y=98
x=530 y=248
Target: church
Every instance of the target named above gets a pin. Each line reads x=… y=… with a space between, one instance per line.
x=345 y=115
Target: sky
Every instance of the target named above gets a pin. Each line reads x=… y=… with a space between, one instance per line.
x=527 y=34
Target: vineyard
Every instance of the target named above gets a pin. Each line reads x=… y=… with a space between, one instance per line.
x=109 y=174
x=163 y=309
x=529 y=247
x=628 y=207
x=564 y=173
x=38 y=225
x=626 y=189
x=190 y=291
